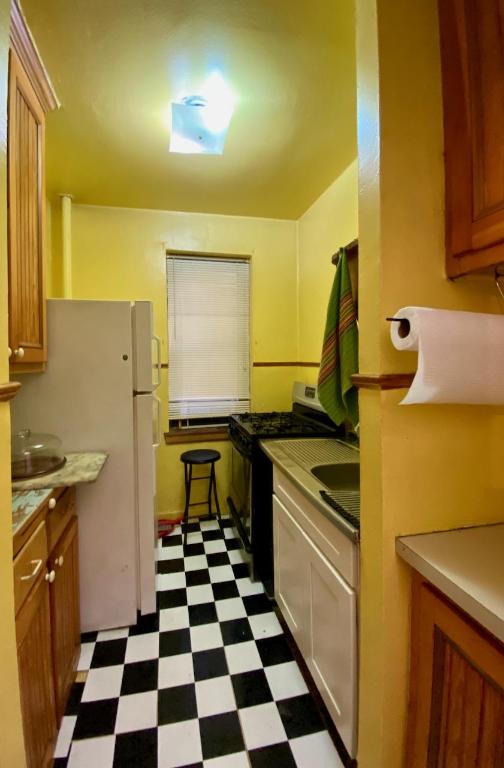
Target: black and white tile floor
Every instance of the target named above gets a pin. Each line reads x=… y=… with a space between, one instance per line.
x=209 y=681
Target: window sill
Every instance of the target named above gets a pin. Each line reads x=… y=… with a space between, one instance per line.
x=196 y=435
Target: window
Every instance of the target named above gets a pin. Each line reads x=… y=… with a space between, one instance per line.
x=208 y=332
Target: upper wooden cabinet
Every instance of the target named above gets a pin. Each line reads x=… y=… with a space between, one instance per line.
x=472 y=59
x=30 y=97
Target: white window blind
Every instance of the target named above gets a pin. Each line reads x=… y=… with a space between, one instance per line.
x=208 y=331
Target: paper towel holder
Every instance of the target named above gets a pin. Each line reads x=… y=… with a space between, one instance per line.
x=404 y=324
x=497 y=277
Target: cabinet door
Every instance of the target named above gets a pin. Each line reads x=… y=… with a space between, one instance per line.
x=456 y=711
x=472 y=56
x=332 y=650
x=291 y=574
x=33 y=630
x=27 y=315
x=65 y=618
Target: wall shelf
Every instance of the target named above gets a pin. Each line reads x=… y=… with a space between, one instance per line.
x=383 y=380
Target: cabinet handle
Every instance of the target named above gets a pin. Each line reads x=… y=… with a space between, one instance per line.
x=36 y=569
x=50 y=576
x=19 y=352
x=60 y=560
x=52 y=503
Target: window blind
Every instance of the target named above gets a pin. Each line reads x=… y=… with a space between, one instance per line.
x=208 y=332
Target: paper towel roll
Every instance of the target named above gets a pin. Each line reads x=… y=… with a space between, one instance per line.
x=460 y=355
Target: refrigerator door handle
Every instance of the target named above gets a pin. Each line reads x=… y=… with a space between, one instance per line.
x=158 y=361
x=158 y=422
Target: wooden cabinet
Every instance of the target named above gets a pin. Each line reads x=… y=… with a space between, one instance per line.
x=33 y=630
x=472 y=58
x=46 y=588
x=65 y=617
x=30 y=97
x=317 y=603
x=456 y=714
x=27 y=315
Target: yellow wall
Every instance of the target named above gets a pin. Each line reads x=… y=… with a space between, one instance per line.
x=423 y=467
x=11 y=738
x=329 y=223
x=119 y=253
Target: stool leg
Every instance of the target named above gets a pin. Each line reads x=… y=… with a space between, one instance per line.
x=188 y=481
x=213 y=481
x=209 y=499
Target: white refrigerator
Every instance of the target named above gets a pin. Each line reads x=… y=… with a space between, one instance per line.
x=97 y=393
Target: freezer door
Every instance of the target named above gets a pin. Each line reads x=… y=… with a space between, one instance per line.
x=146 y=348
x=145 y=484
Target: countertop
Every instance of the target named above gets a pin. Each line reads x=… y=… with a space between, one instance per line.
x=24 y=504
x=467 y=565
x=79 y=468
x=296 y=457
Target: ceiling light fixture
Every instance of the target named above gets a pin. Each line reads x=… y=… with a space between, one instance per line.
x=200 y=122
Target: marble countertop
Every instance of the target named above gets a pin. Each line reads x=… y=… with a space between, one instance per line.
x=467 y=566
x=81 y=467
x=24 y=504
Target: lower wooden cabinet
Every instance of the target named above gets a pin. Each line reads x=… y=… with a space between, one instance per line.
x=47 y=627
x=456 y=713
x=65 y=619
x=33 y=630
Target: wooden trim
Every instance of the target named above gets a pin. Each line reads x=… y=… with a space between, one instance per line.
x=287 y=364
x=352 y=250
x=383 y=380
x=9 y=390
x=196 y=435
x=273 y=364
x=24 y=45
x=27 y=368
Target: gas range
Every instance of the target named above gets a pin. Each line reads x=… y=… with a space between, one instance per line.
x=275 y=423
x=246 y=429
x=250 y=500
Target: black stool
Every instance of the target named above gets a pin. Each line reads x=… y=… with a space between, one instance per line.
x=189 y=459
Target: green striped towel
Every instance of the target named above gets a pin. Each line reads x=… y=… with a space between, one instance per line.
x=340 y=355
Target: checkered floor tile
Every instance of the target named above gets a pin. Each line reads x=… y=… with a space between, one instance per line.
x=209 y=680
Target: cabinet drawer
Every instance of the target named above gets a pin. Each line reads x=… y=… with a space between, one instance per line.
x=30 y=561
x=341 y=552
x=60 y=515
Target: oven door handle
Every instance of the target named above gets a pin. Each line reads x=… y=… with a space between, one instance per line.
x=239 y=525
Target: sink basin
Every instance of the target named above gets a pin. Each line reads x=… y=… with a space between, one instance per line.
x=338 y=476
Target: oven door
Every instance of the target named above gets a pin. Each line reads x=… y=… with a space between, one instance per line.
x=240 y=499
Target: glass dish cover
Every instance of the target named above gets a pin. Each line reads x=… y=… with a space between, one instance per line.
x=35 y=454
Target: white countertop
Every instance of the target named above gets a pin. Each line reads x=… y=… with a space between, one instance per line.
x=467 y=565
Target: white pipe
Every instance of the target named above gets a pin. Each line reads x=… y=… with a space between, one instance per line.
x=66 y=237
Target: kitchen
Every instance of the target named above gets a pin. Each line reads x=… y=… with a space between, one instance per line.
x=412 y=459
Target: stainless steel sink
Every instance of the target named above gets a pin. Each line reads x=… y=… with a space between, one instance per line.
x=338 y=476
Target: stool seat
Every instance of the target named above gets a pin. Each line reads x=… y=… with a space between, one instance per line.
x=200 y=456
